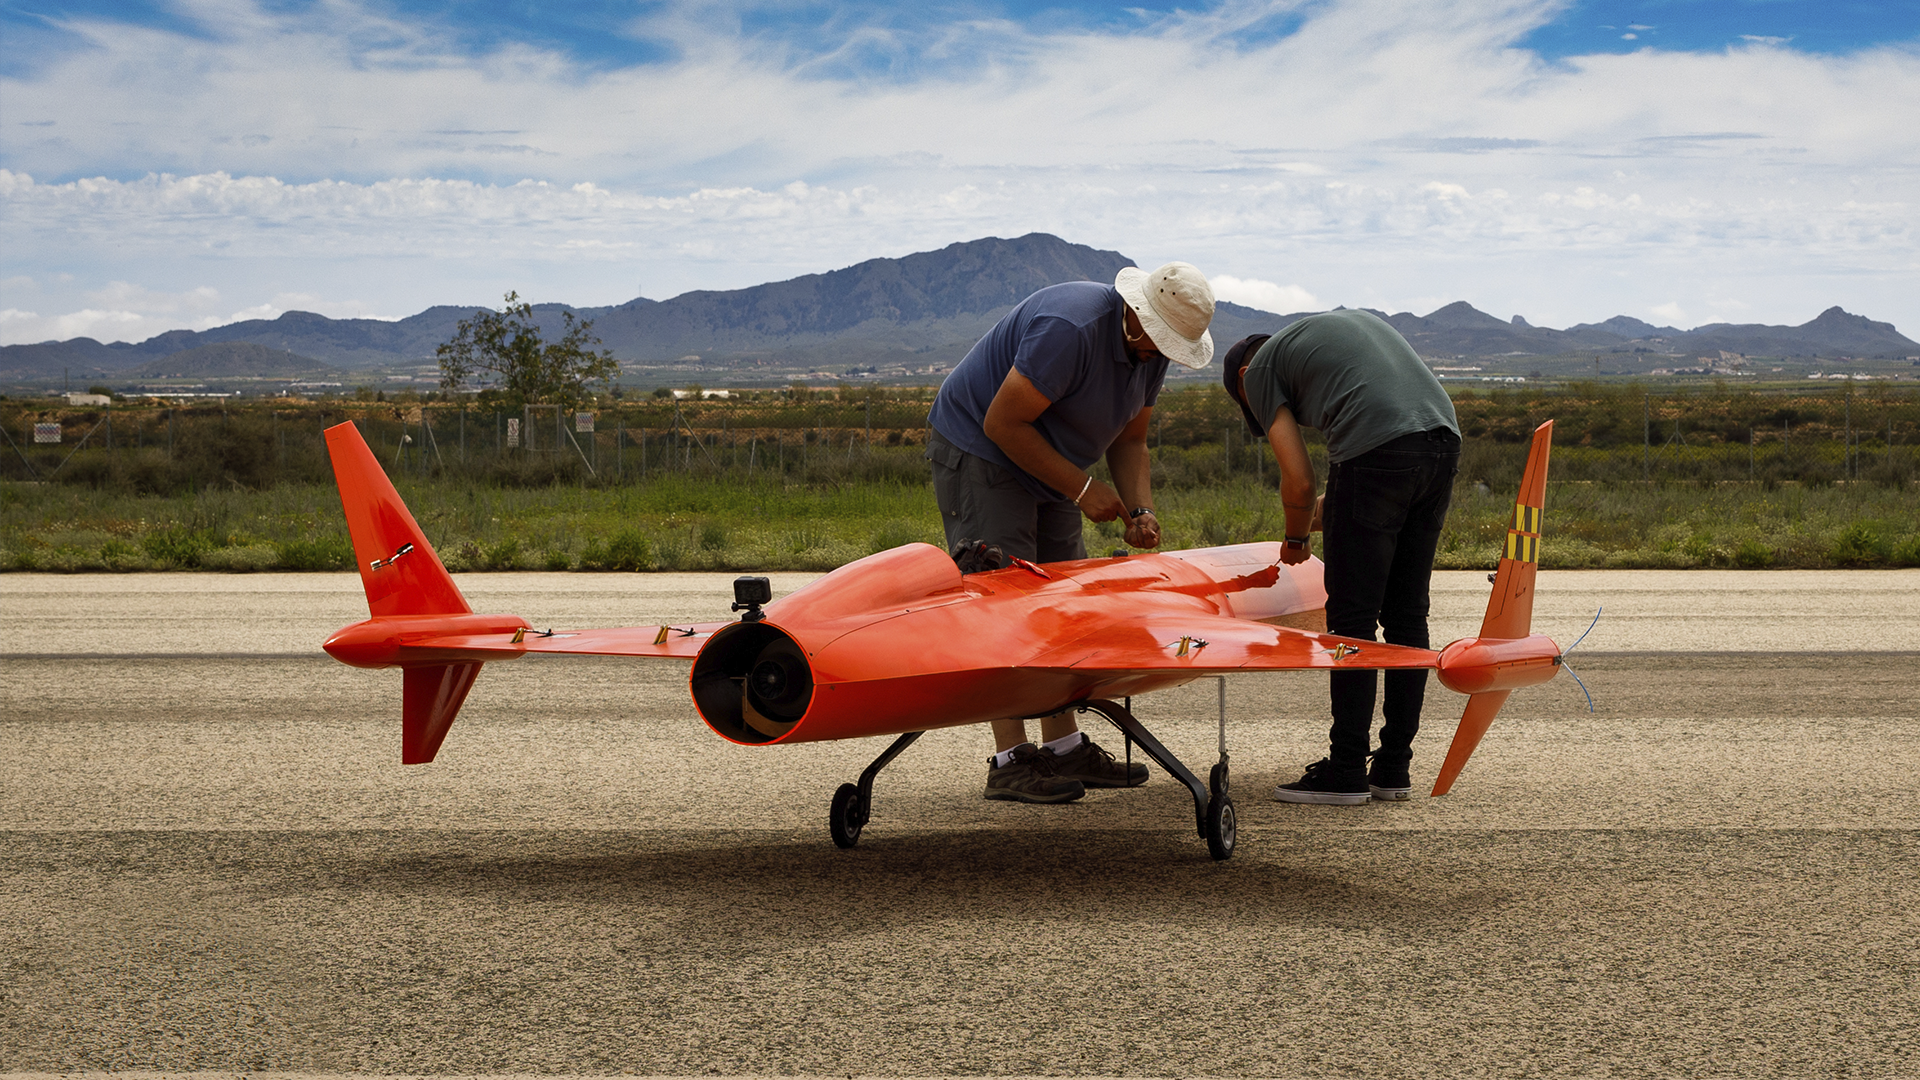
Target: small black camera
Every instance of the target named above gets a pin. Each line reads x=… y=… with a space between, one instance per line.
x=748 y=594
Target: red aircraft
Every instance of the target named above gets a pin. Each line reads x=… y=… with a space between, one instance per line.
x=901 y=642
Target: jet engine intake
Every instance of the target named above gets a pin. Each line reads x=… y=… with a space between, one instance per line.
x=752 y=682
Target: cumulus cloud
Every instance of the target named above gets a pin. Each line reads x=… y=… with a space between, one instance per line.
x=1374 y=153
x=1265 y=295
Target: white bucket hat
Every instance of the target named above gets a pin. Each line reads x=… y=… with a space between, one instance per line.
x=1175 y=306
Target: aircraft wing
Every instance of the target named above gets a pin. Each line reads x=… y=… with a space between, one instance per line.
x=1217 y=644
x=681 y=641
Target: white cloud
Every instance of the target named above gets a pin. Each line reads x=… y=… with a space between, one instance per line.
x=1669 y=312
x=1265 y=295
x=1383 y=152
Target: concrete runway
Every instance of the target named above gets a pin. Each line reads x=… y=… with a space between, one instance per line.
x=211 y=861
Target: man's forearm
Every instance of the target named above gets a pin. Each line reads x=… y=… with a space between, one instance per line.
x=1132 y=469
x=1026 y=447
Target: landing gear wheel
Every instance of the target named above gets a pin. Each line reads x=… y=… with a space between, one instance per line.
x=848 y=815
x=1221 y=826
x=1217 y=779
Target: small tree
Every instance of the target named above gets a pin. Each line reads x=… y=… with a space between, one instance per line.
x=507 y=344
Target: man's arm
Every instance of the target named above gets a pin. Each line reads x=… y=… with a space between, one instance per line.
x=1009 y=423
x=1132 y=470
x=1297 y=482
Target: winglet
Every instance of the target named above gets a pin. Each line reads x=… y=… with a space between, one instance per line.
x=1510 y=608
x=398 y=568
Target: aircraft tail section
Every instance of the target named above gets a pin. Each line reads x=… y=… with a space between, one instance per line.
x=398 y=568
x=1510 y=608
x=1507 y=654
x=411 y=597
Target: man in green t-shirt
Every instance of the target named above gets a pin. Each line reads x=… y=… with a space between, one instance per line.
x=1393 y=447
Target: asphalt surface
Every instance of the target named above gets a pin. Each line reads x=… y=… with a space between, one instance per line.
x=210 y=860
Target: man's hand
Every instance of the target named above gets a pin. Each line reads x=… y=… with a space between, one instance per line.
x=1294 y=555
x=1101 y=503
x=1319 y=504
x=1143 y=531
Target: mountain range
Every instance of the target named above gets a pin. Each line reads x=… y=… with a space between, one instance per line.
x=920 y=311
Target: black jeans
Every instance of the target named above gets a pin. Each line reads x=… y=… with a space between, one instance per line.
x=1382 y=520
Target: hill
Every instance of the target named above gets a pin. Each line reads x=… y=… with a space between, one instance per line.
x=921 y=311
x=232 y=359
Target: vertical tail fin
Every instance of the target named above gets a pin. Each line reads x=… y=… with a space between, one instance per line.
x=1510 y=609
x=398 y=568
x=402 y=577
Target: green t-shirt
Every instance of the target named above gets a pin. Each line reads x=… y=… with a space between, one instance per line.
x=1353 y=377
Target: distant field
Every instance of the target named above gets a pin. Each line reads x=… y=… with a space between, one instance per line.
x=1807 y=479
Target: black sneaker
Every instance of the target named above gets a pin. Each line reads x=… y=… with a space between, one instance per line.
x=1028 y=777
x=1327 y=784
x=1387 y=777
x=1096 y=768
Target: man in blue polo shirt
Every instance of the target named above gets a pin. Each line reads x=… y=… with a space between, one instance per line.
x=1393 y=446
x=1067 y=377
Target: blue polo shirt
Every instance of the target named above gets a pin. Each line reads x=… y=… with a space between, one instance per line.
x=1069 y=342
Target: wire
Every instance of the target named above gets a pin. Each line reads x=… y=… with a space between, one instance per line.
x=1575 y=645
x=1583 y=637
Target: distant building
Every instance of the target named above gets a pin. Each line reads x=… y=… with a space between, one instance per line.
x=681 y=395
x=76 y=398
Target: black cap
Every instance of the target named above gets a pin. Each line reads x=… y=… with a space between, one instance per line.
x=1239 y=356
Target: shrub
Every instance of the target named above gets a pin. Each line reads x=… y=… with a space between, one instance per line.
x=505 y=555
x=1753 y=555
x=316 y=553
x=178 y=545
x=1908 y=552
x=1857 y=545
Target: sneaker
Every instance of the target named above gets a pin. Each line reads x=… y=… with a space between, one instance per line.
x=1327 y=784
x=1029 y=778
x=1387 y=778
x=1095 y=768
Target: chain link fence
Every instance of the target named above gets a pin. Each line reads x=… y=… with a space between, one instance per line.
x=1816 y=436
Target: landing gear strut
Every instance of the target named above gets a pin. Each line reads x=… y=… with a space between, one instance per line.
x=1212 y=806
x=853 y=803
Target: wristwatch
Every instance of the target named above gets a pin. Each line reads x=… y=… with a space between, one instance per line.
x=1297 y=541
x=1137 y=511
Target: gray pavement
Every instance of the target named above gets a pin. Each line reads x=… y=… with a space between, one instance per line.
x=210 y=860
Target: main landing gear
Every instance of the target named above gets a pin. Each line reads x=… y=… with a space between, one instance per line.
x=1212 y=806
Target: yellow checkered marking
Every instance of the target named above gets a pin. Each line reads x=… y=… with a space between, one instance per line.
x=1522 y=547
x=1526 y=518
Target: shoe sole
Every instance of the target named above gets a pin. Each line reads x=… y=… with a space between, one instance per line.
x=1086 y=783
x=1002 y=795
x=1391 y=794
x=1323 y=798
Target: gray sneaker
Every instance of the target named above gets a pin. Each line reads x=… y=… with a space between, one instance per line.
x=1029 y=778
x=1096 y=768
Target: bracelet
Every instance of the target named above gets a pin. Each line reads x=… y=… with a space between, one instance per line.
x=1141 y=510
x=1083 y=490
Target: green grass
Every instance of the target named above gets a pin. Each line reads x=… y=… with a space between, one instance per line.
x=680 y=522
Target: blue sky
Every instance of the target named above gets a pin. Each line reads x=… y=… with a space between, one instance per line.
x=1683 y=161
